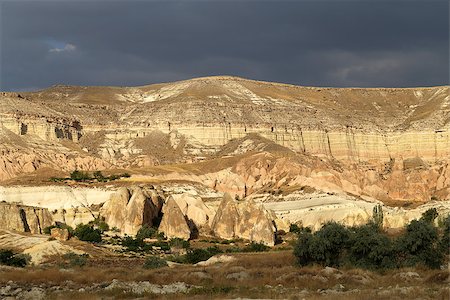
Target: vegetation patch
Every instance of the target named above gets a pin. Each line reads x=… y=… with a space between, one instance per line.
x=155 y=262
x=369 y=247
x=87 y=233
x=9 y=258
x=97 y=176
x=72 y=259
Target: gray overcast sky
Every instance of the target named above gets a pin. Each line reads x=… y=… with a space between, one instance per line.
x=363 y=43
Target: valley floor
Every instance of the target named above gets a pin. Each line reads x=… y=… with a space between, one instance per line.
x=268 y=275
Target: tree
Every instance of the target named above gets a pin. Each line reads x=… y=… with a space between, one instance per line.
x=378 y=216
x=370 y=248
x=420 y=245
x=430 y=215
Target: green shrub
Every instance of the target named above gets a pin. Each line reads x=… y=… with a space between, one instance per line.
x=325 y=247
x=430 y=215
x=378 y=216
x=146 y=232
x=9 y=258
x=329 y=243
x=75 y=260
x=154 y=262
x=444 y=227
x=47 y=230
x=132 y=244
x=179 y=243
x=79 y=176
x=420 y=245
x=302 y=248
x=370 y=248
x=88 y=233
x=298 y=229
x=194 y=256
x=256 y=247
x=100 y=224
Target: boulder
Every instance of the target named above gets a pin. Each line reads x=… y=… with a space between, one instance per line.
x=173 y=222
x=245 y=220
x=61 y=234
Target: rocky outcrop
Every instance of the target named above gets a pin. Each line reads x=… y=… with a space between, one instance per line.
x=130 y=209
x=198 y=214
x=173 y=223
x=24 y=218
x=245 y=220
x=61 y=234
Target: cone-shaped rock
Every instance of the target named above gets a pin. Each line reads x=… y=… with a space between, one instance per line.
x=245 y=220
x=173 y=222
x=226 y=218
x=129 y=210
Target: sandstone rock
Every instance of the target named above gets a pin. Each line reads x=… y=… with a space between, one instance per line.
x=226 y=218
x=129 y=210
x=243 y=220
x=61 y=234
x=216 y=259
x=281 y=224
x=24 y=218
x=173 y=222
x=195 y=210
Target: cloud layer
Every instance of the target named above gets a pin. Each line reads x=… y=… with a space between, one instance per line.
x=320 y=43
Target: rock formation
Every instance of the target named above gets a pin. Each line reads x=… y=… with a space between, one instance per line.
x=196 y=212
x=245 y=220
x=61 y=234
x=173 y=223
x=24 y=218
x=129 y=209
x=224 y=135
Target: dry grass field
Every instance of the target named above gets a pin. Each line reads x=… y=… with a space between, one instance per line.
x=267 y=275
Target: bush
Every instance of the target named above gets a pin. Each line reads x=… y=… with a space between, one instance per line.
x=9 y=258
x=87 y=233
x=48 y=229
x=146 y=232
x=154 y=262
x=329 y=244
x=430 y=215
x=179 y=243
x=75 y=260
x=256 y=247
x=100 y=224
x=79 y=176
x=420 y=245
x=445 y=234
x=197 y=255
x=370 y=248
x=133 y=244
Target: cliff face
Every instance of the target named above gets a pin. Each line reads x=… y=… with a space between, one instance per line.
x=24 y=218
x=357 y=140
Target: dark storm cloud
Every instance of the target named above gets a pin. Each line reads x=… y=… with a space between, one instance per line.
x=323 y=43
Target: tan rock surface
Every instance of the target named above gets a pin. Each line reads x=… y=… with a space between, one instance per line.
x=173 y=222
x=24 y=218
x=245 y=220
x=195 y=210
x=61 y=234
x=129 y=209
